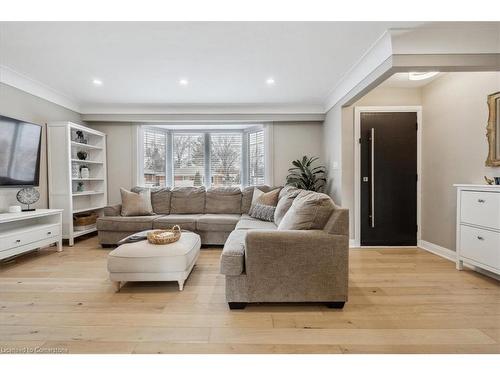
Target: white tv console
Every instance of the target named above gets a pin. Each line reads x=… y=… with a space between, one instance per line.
x=25 y=231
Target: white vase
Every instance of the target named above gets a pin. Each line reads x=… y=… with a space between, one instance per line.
x=84 y=172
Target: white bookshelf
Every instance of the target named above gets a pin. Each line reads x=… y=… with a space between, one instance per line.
x=63 y=162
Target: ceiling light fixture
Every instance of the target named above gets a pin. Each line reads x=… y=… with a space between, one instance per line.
x=183 y=82
x=419 y=76
x=270 y=81
x=97 y=82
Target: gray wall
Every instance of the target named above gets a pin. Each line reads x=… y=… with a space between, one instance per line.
x=21 y=105
x=454 y=147
x=291 y=141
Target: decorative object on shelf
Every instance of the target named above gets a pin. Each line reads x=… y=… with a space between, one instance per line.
x=497 y=180
x=304 y=176
x=28 y=196
x=81 y=155
x=84 y=221
x=489 y=181
x=75 y=171
x=14 y=209
x=84 y=171
x=80 y=138
x=163 y=237
x=79 y=187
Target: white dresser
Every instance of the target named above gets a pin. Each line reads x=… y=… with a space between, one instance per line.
x=27 y=231
x=478 y=226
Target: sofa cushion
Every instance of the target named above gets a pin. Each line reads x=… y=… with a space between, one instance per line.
x=232 y=260
x=160 y=198
x=247 y=195
x=136 y=204
x=125 y=223
x=223 y=200
x=187 y=200
x=217 y=222
x=309 y=210
x=185 y=221
x=247 y=222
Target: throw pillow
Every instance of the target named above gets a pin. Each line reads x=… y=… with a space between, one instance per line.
x=136 y=204
x=262 y=212
x=309 y=210
x=284 y=204
x=269 y=199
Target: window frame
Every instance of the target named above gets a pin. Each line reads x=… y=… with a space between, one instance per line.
x=244 y=167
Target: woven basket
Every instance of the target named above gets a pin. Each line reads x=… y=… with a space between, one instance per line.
x=85 y=219
x=164 y=236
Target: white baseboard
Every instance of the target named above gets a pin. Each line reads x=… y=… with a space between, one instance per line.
x=443 y=252
x=352 y=242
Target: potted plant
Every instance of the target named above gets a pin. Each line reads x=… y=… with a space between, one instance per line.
x=304 y=175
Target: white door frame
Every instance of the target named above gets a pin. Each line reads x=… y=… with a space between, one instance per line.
x=357 y=164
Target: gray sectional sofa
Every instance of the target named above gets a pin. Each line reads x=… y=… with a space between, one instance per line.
x=260 y=262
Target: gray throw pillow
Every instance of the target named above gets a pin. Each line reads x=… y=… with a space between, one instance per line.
x=136 y=204
x=262 y=212
x=309 y=210
x=284 y=204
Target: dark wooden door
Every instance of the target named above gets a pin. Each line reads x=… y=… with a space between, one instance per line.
x=388 y=178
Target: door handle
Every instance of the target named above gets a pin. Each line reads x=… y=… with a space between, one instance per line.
x=373 y=177
x=481 y=200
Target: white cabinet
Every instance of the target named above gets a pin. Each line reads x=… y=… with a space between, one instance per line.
x=26 y=231
x=478 y=226
x=70 y=148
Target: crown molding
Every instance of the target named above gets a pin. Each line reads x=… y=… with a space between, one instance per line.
x=15 y=79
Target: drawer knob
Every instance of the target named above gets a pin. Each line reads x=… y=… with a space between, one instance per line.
x=480 y=238
x=481 y=200
x=49 y=232
x=18 y=241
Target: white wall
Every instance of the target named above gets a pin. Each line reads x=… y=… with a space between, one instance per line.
x=454 y=146
x=23 y=106
x=291 y=141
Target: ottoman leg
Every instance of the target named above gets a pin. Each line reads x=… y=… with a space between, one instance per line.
x=117 y=285
x=181 y=285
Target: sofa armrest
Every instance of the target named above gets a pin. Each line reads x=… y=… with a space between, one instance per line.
x=114 y=210
x=297 y=262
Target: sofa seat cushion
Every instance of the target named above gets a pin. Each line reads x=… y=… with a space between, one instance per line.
x=143 y=257
x=247 y=222
x=185 y=221
x=126 y=223
x=232 y=261
x=217 y=222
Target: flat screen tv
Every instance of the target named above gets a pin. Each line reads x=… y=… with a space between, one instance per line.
x=19 y=152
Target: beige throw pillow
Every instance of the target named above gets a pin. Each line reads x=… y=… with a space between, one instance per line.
x=136 y=204
x=309 y=210
x=284 y=204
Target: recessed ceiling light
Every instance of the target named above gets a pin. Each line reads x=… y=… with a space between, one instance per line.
x=97 y=82
x=183 y=82
x=419 y=76
x=270 y=81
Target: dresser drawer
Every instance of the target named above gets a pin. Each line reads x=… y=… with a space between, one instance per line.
x=480 y=245
x=480 y=208
x=27 y=236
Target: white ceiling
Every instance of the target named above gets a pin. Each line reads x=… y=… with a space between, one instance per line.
x=401 y=80
x=140 y=63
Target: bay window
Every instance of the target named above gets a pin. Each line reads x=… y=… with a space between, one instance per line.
x=176 y=156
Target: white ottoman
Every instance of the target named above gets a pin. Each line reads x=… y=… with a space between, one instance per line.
x=142 y=261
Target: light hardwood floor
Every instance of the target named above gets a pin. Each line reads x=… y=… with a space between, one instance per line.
x=400 y=301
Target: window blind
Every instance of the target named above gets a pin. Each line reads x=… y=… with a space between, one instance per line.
x=256 y=158
x=155 y=150
x=188 y=159
x=225 y=159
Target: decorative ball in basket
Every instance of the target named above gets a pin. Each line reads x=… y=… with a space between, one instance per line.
x=164 y=236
